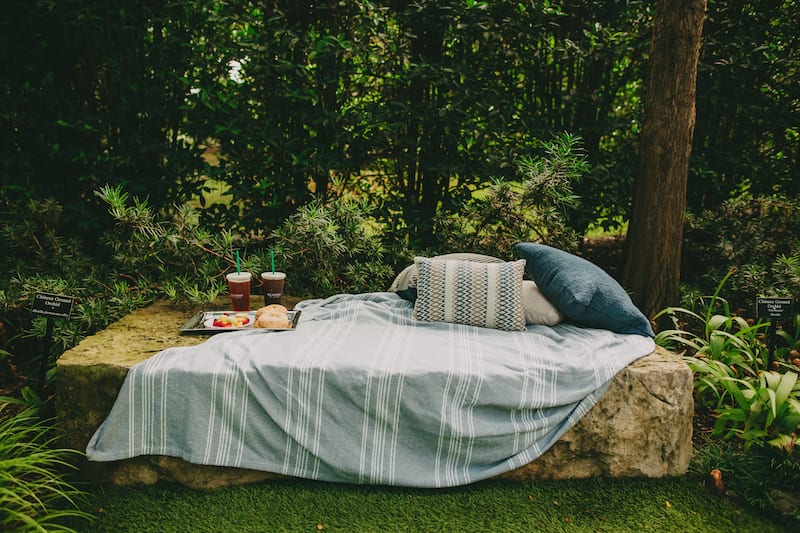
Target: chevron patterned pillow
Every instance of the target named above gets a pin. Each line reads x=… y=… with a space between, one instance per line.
x=465 y=292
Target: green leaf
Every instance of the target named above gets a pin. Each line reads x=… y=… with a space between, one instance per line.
x=785 y=386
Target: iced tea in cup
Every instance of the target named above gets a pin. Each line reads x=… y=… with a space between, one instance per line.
x=239 y=287
x=272 y=284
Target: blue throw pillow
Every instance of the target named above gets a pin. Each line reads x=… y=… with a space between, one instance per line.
x=409 y=294
x=581 y=290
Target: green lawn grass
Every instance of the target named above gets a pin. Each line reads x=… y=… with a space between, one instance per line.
x=637 y=505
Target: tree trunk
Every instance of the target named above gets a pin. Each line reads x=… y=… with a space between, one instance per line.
x=655 y=234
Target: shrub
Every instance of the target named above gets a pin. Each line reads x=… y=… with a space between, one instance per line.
x=326 y=247
x=37 y=256
x=534 y=208
x=34 y=496
x=759 y=406
x=174 y=257
x=755 y=236
x=331 y=247
x=764 y=477
x=753 y=445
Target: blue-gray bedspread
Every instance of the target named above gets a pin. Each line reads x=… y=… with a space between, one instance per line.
x=361 y=392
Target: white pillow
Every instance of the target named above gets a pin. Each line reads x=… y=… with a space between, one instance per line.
x=538 y=309
x=408 y=277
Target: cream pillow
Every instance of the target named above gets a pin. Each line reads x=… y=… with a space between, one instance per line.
x=408 y=277
x=538 y=309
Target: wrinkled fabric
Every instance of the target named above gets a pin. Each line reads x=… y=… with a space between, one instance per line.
x=362 y=393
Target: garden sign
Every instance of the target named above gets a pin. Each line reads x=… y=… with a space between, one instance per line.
x=51 y=306
x=775 y=310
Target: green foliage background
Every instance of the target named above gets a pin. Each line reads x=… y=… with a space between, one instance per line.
x=414 y=103
x=360 y=133
x=422 y=114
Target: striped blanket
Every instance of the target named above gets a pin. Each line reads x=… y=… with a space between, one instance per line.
x=362 y=393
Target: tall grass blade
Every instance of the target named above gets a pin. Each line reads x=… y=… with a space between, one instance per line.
x=33 y=494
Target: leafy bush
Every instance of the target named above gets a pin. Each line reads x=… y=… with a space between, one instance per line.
x=756 y=410
x=746 y=134
x=534 y=208
x=764 y=477
x=755 y=236
x=330 y=248
x=36 y=255
x=767 y=409
x=140 y=259
x=114 y=115
x=34 y=496
x=325 y=247
x=729 y=358
x=173 y=257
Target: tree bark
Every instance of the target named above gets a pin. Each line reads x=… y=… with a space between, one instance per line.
x=655 y=233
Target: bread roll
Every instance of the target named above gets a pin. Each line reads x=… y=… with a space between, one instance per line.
x=271 y=309
x=273 y=321
x=272 y=316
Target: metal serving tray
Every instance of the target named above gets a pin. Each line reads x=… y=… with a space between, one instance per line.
x=200 y=323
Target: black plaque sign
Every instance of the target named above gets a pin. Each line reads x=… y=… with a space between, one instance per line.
x=55 y=305
x=775 y=308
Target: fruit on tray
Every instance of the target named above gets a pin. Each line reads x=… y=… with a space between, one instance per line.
x=227 y=320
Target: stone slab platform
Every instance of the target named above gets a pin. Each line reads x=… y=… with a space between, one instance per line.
x=641 y=427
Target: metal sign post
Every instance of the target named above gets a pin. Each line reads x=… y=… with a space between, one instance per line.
x=51 y=306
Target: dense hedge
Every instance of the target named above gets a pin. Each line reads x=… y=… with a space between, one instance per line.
x=413 y=102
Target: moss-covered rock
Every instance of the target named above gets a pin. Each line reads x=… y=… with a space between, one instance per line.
x=642 y=426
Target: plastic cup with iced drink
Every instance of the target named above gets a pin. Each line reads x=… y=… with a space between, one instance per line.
x=239 y=287
x=272 y=283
